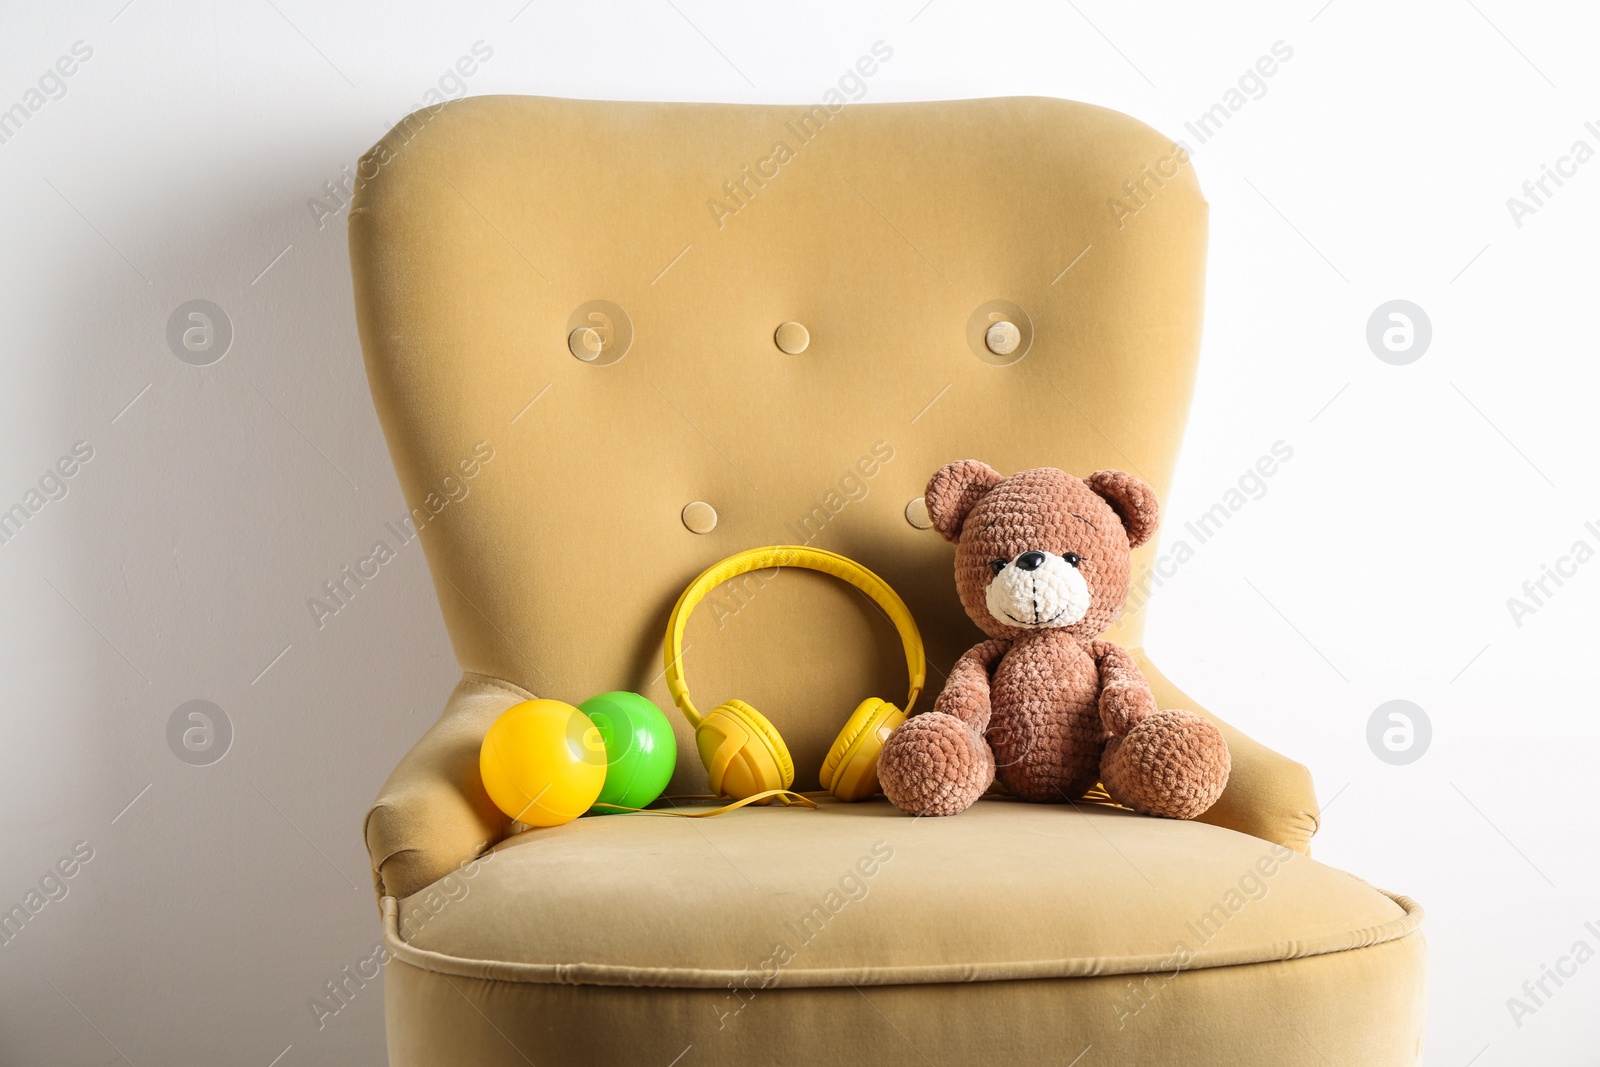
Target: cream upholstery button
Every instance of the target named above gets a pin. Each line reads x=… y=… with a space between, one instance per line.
x=999 y=333
x=792 y=338
x=585 y=343
x=699 y=517
x=1002 y=338
x=917 y=514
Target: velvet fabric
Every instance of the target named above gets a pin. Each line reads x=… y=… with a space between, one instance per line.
x=568 y=314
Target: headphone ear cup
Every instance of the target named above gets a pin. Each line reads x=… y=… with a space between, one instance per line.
x=743 y=752
x=850 y=771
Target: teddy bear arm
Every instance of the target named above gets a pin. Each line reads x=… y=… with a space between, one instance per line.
x=1125 y=696
x=966 y=690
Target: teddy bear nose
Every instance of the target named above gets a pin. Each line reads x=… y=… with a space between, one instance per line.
x=1030 y=561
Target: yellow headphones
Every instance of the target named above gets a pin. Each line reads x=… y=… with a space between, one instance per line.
x=744 y=754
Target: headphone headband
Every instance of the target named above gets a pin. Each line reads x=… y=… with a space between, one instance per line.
x=811 y=559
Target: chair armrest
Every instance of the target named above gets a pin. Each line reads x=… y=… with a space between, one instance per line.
x=1268 y=796
x=432 y=814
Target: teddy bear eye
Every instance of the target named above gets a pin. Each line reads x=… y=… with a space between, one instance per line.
x=1073 y=558
x=998 y=565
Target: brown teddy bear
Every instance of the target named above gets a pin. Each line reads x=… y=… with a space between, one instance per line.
x=1042 y=566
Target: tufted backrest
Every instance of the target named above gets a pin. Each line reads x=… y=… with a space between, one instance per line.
x=675 y=239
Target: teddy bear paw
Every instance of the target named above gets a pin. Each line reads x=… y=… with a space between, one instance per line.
x=934 y=764
x=1172 y=763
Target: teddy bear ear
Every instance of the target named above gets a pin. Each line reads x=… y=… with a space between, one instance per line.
x=1132 y=500
x=953 y=491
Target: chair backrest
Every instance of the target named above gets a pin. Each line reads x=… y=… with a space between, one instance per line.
x=675 y=239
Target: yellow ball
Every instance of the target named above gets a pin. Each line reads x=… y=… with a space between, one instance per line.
x=543 y=762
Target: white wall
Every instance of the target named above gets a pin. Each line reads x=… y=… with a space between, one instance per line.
x=178 y=165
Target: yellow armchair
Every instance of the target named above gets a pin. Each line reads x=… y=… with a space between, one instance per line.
x=611 y=343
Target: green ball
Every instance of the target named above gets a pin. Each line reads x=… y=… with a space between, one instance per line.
x=641 y=752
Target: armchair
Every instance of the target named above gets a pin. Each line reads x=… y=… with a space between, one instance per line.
x=602 y=299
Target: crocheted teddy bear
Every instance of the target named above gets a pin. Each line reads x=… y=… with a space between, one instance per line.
x=1042 y=566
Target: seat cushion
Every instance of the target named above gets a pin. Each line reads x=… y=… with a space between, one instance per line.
x=861 y=895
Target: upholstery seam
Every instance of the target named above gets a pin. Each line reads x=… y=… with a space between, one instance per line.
x=498 y=683
x=580 y=974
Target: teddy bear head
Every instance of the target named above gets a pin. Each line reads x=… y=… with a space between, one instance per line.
x=1042 y=549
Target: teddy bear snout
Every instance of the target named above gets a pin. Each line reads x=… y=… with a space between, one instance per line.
x=1037 y=590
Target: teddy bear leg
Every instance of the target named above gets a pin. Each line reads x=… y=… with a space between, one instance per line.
x=935 y=764
x=1172 y=763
